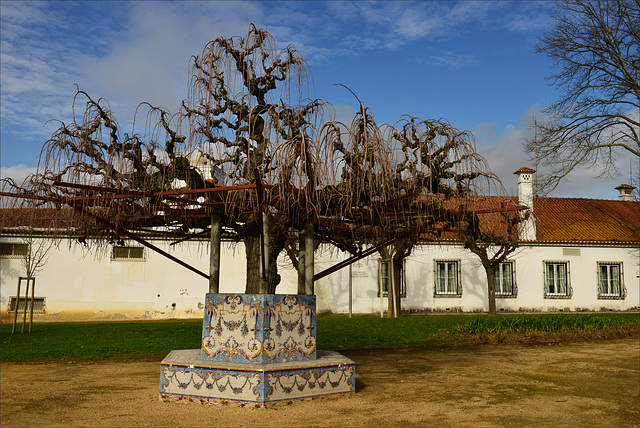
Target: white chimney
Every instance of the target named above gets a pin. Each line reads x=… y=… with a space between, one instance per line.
x=625 y=192
x=525 y=197
x=525 y=186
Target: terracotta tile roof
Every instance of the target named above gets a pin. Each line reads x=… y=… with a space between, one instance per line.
x=625 y=186
x=557 y=219
x=525 y=170
x=579 y=219
x=37 y=217
x=488 y=209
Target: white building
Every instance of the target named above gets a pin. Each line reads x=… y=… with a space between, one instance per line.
x=575 y=255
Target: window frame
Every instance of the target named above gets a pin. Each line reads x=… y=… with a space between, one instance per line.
x=623 y=289
x=403 y=282
x=458 y=291
x=13 y=246
x=514 y=287
x=568 y=289
x=128 y=258
x=39 y=304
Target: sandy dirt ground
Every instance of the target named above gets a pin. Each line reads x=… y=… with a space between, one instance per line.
x=587 y=384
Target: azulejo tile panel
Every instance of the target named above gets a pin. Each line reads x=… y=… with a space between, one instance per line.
x=185 y=376
x=210 y=383
x=286 y=385
x=256 y=349
x=259 y=328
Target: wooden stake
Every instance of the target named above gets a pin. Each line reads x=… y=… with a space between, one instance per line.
x=33 y=299
x=26 y=301
x=15 y=309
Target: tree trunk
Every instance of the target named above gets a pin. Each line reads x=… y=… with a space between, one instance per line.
x=264 y=255
x=391 y=312
x=491 y=287
x=214 y=254
x=308 y=259
x=394 y=306
x=277 y=242
x=252 y=250
x=273 y=278
x=254 y=246
x=301 y=261
x=397 y=266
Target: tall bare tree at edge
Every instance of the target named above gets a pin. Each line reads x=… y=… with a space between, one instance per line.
x=595 y=49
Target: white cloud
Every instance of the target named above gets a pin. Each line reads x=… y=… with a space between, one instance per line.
x=36 y=65
x=129 y=52
x=16 y=14
x=391 y=25
x=149 y=62
x=530 y=16
x=344 y=114
x=126 y=52
x=453 y=60
x=17 y=172
x=504 y=150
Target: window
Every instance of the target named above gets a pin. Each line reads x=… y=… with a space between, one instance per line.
x=11 y=250
x=128 y=253
x=447 y=278
x=610 y=284
x=384 y=278
x=38 y=304
x=556 y=280
x=504 y=281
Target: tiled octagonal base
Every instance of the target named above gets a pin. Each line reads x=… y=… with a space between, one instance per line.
x=185 y=376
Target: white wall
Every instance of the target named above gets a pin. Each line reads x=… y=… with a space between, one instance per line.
x=79 y=285
x=583 y=277
x=529 y=272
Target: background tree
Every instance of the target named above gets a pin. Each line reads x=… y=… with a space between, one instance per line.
x=33 y=224
x=595 y=48
x=492 y=237
x=416 y=180
x=32 y=249
x=459 y=197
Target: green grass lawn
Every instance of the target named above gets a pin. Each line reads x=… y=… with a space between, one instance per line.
x=155 y=339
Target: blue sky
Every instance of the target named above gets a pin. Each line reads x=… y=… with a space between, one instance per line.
x=472 y=63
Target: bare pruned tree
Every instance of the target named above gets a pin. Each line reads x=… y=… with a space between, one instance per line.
x=90 y=165
x=595 y=48
x=250 y=152
x=250 y=116
x=358 y=177
x=492 y=236
x=247 y=115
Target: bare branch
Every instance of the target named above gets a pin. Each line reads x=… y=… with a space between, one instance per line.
x=595 y=48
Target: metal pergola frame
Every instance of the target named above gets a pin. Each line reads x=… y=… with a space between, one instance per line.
x=79 y=204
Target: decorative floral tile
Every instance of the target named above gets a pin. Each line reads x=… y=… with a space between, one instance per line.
x=259 y=328
x=184 y=376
